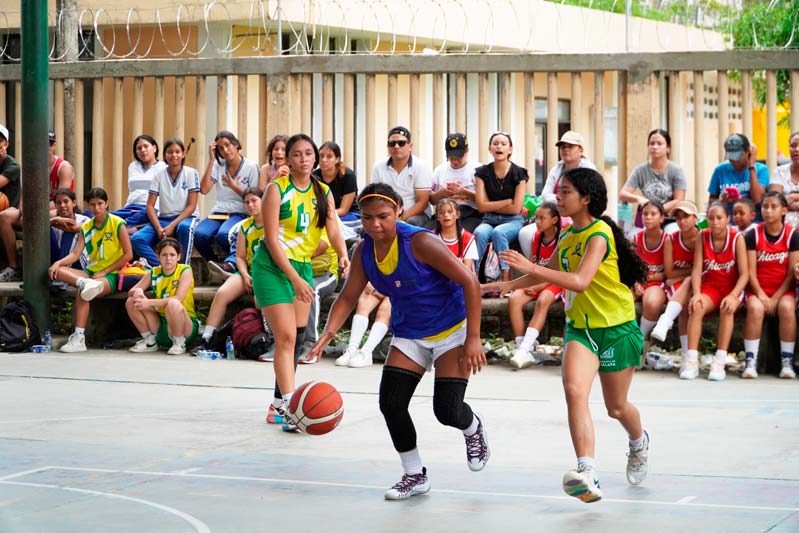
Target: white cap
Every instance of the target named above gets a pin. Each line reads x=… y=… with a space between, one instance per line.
x=4 y=132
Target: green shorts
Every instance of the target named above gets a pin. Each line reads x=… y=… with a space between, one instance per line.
x=112 y=278
x=163 y=339
x=617 y=347
x=269 y=282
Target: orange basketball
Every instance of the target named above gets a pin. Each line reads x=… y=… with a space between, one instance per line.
x=317 y=407
x=4 y=203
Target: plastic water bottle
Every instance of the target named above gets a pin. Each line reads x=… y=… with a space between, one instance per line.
x=230 y=352
x=48 y=340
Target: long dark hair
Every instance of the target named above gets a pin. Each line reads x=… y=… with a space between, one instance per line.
x=553 y=209
x=663 y=133
x=589 y=183
x=458 y=227
x=319 y=192
x=178 y=141
x=225 y=134
x=375 y=191
x=271 y=146
x=149 y=139
x=69 y=194
x=341 y=168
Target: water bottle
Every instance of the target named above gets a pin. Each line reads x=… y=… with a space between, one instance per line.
x=48 y=340
x=230 y=351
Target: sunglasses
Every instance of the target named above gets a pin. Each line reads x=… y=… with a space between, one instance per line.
x=392 y=144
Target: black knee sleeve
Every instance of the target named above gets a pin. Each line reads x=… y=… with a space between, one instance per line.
x=448 y=404
x=396 y=389
x=297 y=350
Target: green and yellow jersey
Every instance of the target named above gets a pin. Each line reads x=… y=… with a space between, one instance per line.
x=166 y=286
x=253 y=237
x=298 y=233
x=102 y=243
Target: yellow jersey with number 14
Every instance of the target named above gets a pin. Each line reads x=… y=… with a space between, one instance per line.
x=298 y=233
x=607 y=301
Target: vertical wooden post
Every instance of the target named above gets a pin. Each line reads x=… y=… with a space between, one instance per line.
x=306 y=105
x=460 y=104
x=599 y=124
x=200 y=149
x=415 y=103
x=241 y=104
x=700 y=193
x=482 y=116
x=98 y=148
x=746 y=103
x=771 y=120
x=118 y=182
x=221 y=103
x=3 y=117
x=577 y=102
x=349 y=120
x=552 y=119
x=439 y=109
x=623 y=136
x=328 y=131
x=530 y=147
x=392 y=115
x=180 y=107
x=138 y=106
x=724 y=111
x=794 y=100
x=158 y=111
x=77 y=165
x=371 y=156
x=675 y=116
x=505 y=105
x=58 y=114
x=18 y=120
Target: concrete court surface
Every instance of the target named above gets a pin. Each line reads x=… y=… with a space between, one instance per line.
x=109 y=441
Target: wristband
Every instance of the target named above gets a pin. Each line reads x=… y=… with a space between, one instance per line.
x=752 y=168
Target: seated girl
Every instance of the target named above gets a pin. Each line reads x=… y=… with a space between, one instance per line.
x=170 y=314
x=459 y=241
x=357 y=356
x=65 y=227
x=649 y=245
x=140 y=173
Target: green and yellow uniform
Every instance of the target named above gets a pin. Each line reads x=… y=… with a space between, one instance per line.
x=166 y=286
x=103 y=246
x=253 y=237
x=602 y=317
x=298 y=235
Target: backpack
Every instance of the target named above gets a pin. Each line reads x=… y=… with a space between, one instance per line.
x=489 y=269
x=17 y=330
x=250 y=337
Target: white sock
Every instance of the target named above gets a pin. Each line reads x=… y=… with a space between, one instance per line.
x=287 y=398
x=673 y=310
x=359 y=325
x=530 y=336
x=208 y=332
x=519 y=341
x=721 y=356
x=277 y=402
x=752 y=346
x=787 y=347
x=80 y=331
x=411 y=462
x=586 y=461
x=647 y=326
x=472 y=429
x=692 y=355
x=638 y=443
x=376 y=335
x=148 y=337
x=684 y=344
x=179 y=340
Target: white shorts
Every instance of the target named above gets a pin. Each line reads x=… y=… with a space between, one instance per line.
x=424 y=353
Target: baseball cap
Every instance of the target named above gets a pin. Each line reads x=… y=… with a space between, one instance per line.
x=735 y=146
x=401 y=130
x=51 y=136
x=686 y=206
x=571 y=137
x=4 y=131
x=456 y=145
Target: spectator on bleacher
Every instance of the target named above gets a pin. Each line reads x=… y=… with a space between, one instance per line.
x=570 y=150
x=341 y=180
x=175 y=189
x=785 y=179
x=657 y=179
x=739 y=176
x=230 y=174
x=408 y=175
x=499 y=194
x=449 y=227
x=455 y=179
x=276 y=161
x=140 y=173
x=743 y=214
x=108 y=246
x=65 y=226
x=169 y=318
x=650 y=246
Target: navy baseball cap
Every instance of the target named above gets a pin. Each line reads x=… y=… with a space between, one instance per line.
x=401 y=130
x=735 y=146
x=456 y=145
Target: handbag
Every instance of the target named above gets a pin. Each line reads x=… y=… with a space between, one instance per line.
x=130 y=275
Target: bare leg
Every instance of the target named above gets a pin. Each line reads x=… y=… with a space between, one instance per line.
x=579 y=368
x=615 y=387
x=516 y=303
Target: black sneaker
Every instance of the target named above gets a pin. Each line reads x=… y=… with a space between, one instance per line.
x=477 y=451
x=409 y=485
x=222 y=270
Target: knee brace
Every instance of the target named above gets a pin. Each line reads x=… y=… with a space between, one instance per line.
x=448 y=404
x=396 y=390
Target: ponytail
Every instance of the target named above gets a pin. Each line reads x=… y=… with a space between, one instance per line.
x=632 y=269
x=321 y=203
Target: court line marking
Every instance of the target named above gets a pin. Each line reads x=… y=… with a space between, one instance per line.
x=25 y=473
x=130 y=415
x=519 y=495
x=686 y=499
x=198 y=525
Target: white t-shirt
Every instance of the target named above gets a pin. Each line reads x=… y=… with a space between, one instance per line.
x=139 y=181
x=444 y=173
x=415 y=175
x=227 y=200
x=782 y=176
x=548 y=192
x=471 y=248
x=173 y=195
x=59 y=234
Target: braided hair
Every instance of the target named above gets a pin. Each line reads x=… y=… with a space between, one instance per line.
x=553 y=209
x=458 y=227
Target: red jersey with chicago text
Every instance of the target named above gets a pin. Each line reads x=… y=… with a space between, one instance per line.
x=540 y=256
x=772 y=258
x=682 y=256
x=653 y=256
x=54 y=176
x=719 y=269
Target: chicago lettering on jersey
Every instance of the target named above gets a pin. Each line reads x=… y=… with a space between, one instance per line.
x=778 y=257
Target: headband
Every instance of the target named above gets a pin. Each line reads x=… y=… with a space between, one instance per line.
x=382 y=196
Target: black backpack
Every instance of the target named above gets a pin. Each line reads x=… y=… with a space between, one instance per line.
x=17 y=330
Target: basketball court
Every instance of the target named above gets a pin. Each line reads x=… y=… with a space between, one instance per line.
x=108 y=441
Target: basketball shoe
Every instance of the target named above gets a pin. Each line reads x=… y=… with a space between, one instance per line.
x=521 y=358
x=787 y=371
x=289 y=424
x=344 y=359
x=409 y=485
x=272 y=417
x=638 y=461
x=477 y=450
x=582 y=484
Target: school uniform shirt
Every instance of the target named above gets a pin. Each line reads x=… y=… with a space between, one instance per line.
x=501 y=189
x=425 y=304
x=444 y=174
x=298 y=233
x=467 y=244
x=10 y=169
x=719 y=269
x=102 y=244
x=166 y=286
x=772 y=252
x=227 y=200
x=139 y=179
x=653 y=257
x=173 y=195
x=59 y=235
x=341 y=185
x=415 y=175
x=607 y=301
x=253 y=237
x=54 y=169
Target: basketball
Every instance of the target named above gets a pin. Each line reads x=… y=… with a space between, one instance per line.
x=4 y=203
x=317 y=407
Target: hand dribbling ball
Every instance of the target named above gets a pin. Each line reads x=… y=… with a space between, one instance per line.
x=317 y=407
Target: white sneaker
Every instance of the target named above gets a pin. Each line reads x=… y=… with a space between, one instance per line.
x=477 y=450
x=717 y=372
x=750 y=372
x=521 y=358
x=344 y=359
x=177 y=348
x=661 y=329
x=141 y=346
x=582 y=484
x=707 y=360
x=787 y=371
x=360 y=359
x=90 y=288
x=638 y=462
x=11 y=274
x=689 y=369
x=75 y=343
x=729 y=360
x=409 y=485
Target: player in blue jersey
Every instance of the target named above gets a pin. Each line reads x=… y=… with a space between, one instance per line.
x=435 y=317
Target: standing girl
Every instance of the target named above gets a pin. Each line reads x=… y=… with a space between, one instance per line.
x=140 y=173
x=459 y=241
x=176 y=189
x=650 y=245
x=296 y=208
x=772 y=251
x=432 y=326
x=545 y=240
x=597 y=266
x=108 y=246
x=499 y=195
x=171 y=313
x=719 y=277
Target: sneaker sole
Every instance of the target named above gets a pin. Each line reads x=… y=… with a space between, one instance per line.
x=90 y=293
x=577 y=489
x=218 y=272
x=145 y=350
x=417 y=491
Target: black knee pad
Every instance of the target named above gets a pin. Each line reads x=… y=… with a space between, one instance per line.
x=448 y=404
x=396 y=390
